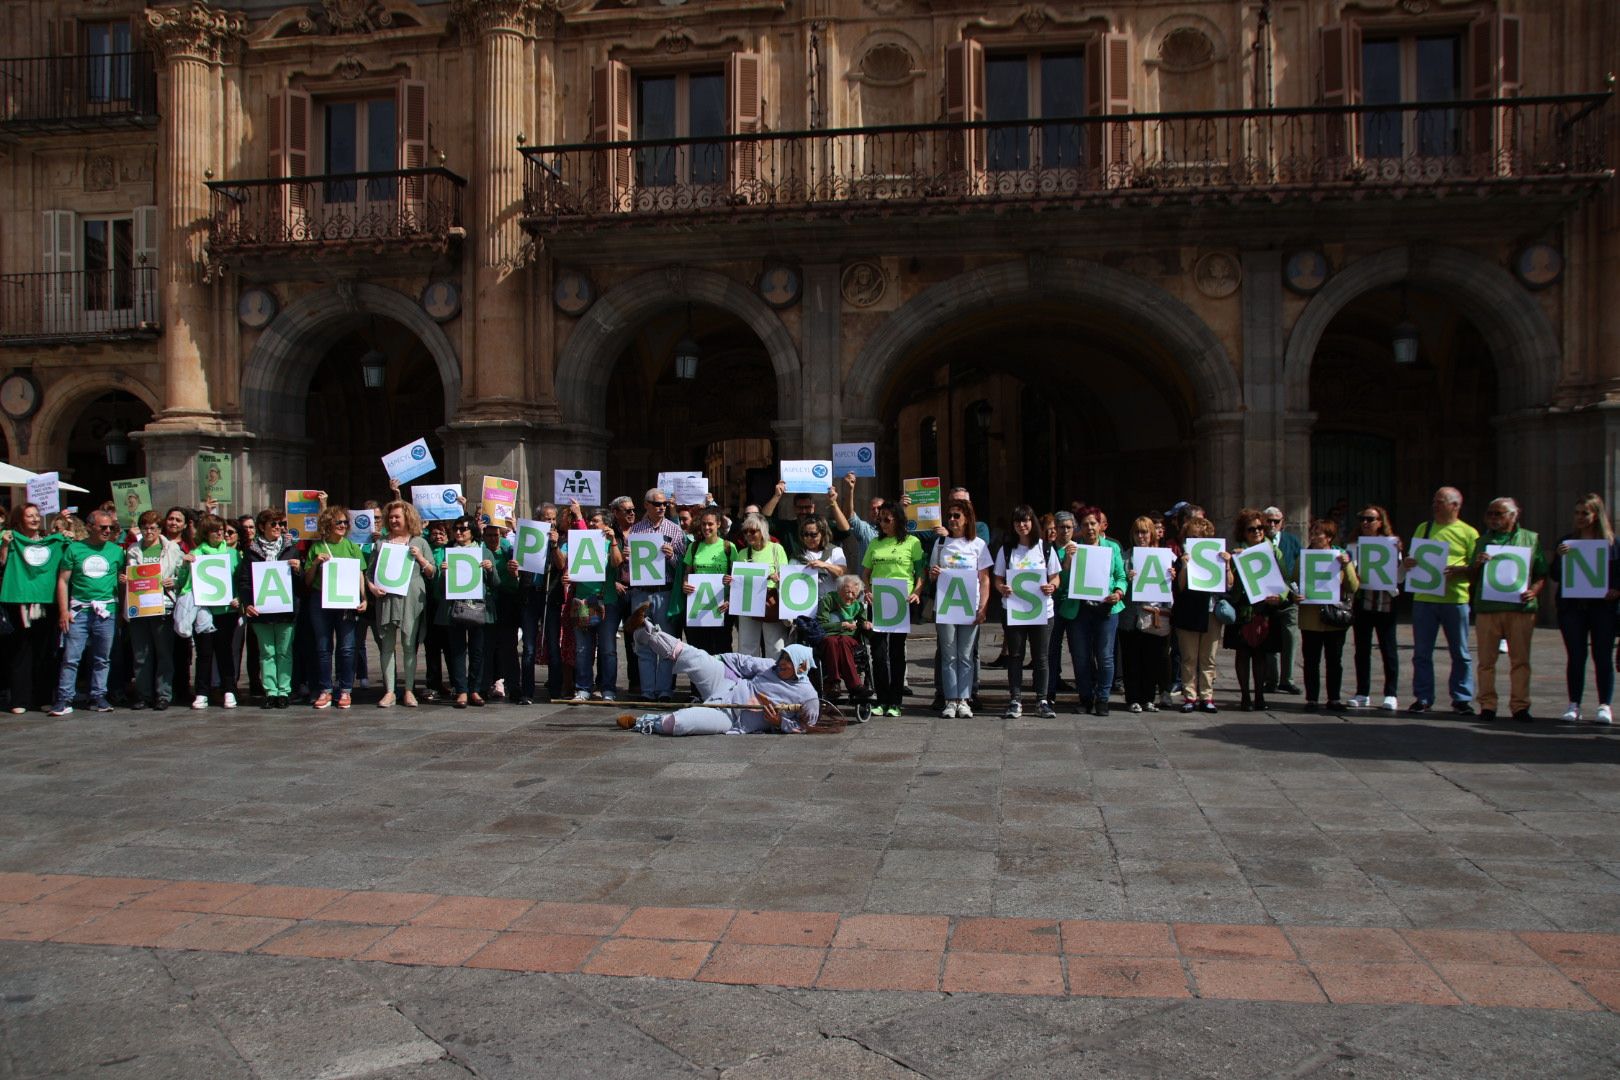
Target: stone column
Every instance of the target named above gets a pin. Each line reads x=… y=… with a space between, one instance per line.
x=504 y=31
x=190 y=44
x=1264 y=471
x=820 y=389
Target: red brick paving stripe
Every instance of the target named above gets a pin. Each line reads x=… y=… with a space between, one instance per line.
x=1344 y=965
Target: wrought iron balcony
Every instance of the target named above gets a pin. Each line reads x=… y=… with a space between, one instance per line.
x=45 y=94
x=1509 y=145
x=393 y=212
x=79 y=305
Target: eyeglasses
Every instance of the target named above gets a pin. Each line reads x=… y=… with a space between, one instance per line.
x=1254 y=528
x=1274 y=521
x=463 y=528
x=1370 y=517
x=106 y=528
x=660 y=504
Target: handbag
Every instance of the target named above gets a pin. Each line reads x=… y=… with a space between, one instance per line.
x=1224 y=612
x=1339 y=616
x=1256 y=632
x=468 y=613
x=1151 y=619
x=185 y=614
x=587 y=613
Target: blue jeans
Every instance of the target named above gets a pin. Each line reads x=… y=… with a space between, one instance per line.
x=1093 y=631
x=95 y=633
x=465 y=644
x=1588 y=623
x=327 y=622
x=1427 y=621
x=957 y=647
x=1063 y=630
x=538 y=622
x=596 y=652
x=657 y=673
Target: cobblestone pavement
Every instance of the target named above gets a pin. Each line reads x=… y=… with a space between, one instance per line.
x=531 y=892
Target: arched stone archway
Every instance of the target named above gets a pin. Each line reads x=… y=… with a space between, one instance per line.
x=1521 y=339
x=276 y=376
x=587 y=361
x=1196 y=348
x=63 y=400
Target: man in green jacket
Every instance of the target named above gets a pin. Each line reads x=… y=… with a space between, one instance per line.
x=1498 y=620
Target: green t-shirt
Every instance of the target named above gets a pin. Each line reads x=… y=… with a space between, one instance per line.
x=887 y=557
x=1461 y=538
x=94 y=570
x=31 y=568
x=1538 y=564
x=712 y=558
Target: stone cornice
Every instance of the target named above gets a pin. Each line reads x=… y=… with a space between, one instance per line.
x=528 y=17
x=196 y=32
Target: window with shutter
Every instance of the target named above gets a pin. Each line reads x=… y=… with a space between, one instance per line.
x=745 y=106
x=289 y=117
x=59 y=232
x=413 y=145
x=1339 y=71
x=1107 y=147
x=1494 y=71
x=610 y=122
x=965 y=102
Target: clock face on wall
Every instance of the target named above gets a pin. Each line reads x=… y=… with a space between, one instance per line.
x=256 y=308
x=19 y=395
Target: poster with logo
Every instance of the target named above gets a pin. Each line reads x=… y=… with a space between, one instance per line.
x=500 y=501
x=132 y=498
x=669 y=482
x=437 y=502
x=143 y=590
x=362 y=526
x=45 y=492
x=214 y=476
x=583 y=486
x=409 y=462
x=303 y=508
x=859 y=458
x=925 y=511
x=807 y=477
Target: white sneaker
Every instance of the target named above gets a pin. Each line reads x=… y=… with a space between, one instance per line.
x=582 y=695
x=230 y=701
x=608 y=695
x=1360 y=701
x=964 y=710
x=1136 y=706
x=1391 y=705
x=200 y=701
x=1572 y=714
x=1015 y=709
x=499 y=689
x=1501 y=646
x=949 y=711
x=1604 y=715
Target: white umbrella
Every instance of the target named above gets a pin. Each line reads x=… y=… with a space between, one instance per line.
x=12 y=476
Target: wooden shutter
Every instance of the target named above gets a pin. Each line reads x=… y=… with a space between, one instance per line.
x=610 y=122
x=289 y=158
x=146 y=264
x=411 y=115
x=745 y=115
x=59 y=235
x=1495 y=70
x=1339 y=73
x=1108 y=93
x=964 y=102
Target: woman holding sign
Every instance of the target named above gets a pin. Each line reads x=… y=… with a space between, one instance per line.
x=401 y=565
x=151 y=635
x=1586 y=571
x=333 y=612
x=30 y=559
x=960 y=568
x=897 y=557
x=816 y=552
x=1145 y=627
x=1319 y=637
x=593 y=606
x=209 y=574
x=268 y=602
x=1027 y=573
x=1374 y=613
x=1204 y=577
x=709 y=554
x=1256 y=631
x=763 y=634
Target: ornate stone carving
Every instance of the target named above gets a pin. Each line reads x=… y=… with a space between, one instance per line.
x=886 y=64
x=350 y=67
x=1186 y=49
x=886 y=7
x=1032 y=19
x=863 y=283
x=197 y=32
x=480 y=17
x=355 y=16
x=100 y=173
x=1217 y=275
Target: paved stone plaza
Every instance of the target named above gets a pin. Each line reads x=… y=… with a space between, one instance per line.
x=525 y=893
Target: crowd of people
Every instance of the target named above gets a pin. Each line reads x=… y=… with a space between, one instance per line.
x=71 y=640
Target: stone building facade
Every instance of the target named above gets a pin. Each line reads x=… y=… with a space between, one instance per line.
x=1127 y=252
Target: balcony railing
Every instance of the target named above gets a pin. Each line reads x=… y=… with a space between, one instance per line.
x=1272 y=153
x=77 y=93
x=398 y=210
x=76 y=305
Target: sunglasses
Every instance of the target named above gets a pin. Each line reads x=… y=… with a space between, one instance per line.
x=1370 y=517
x=1254 y=528
x=463 y=528
x=660 y=504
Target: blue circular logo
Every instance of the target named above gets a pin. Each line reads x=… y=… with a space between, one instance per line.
x=362 y=522
x=819 y=471
x=448 y=497
x=418 y=452
x=864 y=455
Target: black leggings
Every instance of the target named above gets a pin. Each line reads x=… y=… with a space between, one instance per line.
x=1366 y=624
x=1144 y=665
x=888 y=667
x=217 y=648
x=1318 y=642
x=1040 y=642
x=32 y=658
